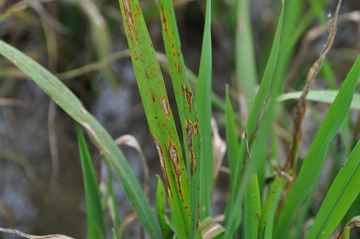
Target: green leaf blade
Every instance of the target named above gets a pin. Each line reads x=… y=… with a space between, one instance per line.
x=338 y=200
x=252 y=209
x=95 y=220
x=311 y=168
x=203 y=105
x=160 y=209
x=158 y=114
x=186 y=106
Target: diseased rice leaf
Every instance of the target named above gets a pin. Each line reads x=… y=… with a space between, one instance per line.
x=159 y=115
x=276 y=186
x=252 y=208
x=186 y=107
x=274 y=206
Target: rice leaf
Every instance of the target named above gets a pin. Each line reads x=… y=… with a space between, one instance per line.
x=252 y=208
x=232 y=219
x=314 y=161
x=160 y=209
x=159 y=115
x=95 y=220
x=111 y=202
x=186 y=107
x=203 y=106
x=274 y=206
x=63 y=97
x=244 y=52
x=276 y=187
x=342 y=193
x=232 y=150
x=325 y=96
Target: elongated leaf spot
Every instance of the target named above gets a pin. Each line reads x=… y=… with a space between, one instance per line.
x=136 y=58
x=198 y=216
x=188 y=96
x=127 y=10
x=135 y=16
x=165 y=106
x=189 y=141
x=162 y=163
x=15 y=61
x=196 y=127
x=173 y=153
x=174 y=157
x=257 y=216
x=164 y=20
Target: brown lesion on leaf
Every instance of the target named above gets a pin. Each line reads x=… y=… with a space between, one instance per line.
x=164 y=20
x=196 y=127
x=174 y=158
x=198 y=216
x=188 y=96
x=165 y=106
x=128 y=15
x=189 y=140
x=163 y=166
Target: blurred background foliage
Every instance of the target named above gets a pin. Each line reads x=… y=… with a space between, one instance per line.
x=83 y=43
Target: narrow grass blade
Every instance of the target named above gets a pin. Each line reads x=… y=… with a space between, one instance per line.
x=160 y=209
x=159 y=115
x=232 y=218
x=244 y=52
x=345 y=232
x=303 y=216
x=63 y=97
x=252 y=208
x=231 y=140
x=186 y=107
x=326 y=96
x=314 y=161
x=203 y=105
x=111 y=202
x=341 y=195
x=271 y=198
x=274 y=206
x=232 y=151
x=95 y=219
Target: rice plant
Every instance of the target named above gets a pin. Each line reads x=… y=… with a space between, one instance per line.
x=267 y=198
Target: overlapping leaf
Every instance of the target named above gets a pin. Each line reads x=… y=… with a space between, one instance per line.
x=63 y=97
x=159 y=115
x=95 y=221
x=314 y=161
x=186 y=106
